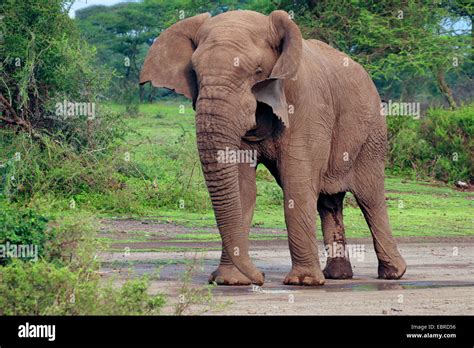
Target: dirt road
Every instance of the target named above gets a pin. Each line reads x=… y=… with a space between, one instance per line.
x=439 y=279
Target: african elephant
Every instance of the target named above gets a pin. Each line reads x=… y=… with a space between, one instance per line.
x=311 y=114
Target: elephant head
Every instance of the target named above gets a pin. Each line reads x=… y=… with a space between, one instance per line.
x=225 y=64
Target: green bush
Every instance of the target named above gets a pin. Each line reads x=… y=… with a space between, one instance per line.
x=23 y=227
x=46 y=62
x=75 y=243
x=450 y=135
x=439 y=145
x=31 y=168
x=67 y=240
x=64 y=279
x=42 y=288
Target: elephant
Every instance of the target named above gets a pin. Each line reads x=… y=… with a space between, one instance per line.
x=311 y=114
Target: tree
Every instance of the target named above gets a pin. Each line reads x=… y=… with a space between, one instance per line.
x=401 y=43
x=123 y=33
x=45 y=61
x=412 y=49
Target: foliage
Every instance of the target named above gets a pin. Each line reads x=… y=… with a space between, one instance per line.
x=31 y=168
x=413 y=50
x=163 y=170
x=122 y=34
x=42 y=288
x=439 y=145
x=63 y=280
x=61 y=240
x=23 y=227
x=189 y=296
x=46 y=64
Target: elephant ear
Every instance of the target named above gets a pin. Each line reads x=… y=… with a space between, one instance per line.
x=286 y=38
x=271 y=92
x=289 y=42
x=168 y=62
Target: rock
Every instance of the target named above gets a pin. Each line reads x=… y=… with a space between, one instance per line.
x=462 y=184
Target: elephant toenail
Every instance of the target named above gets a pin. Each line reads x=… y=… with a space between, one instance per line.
x=220 y=280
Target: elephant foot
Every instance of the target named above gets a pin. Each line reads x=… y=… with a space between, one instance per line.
x=392 y=270
x=228 y=275
x=338 y=268
x=304 y=276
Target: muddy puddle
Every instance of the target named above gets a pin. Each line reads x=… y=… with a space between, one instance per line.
x=171 y=270
x=400 y=285
x=348 y=286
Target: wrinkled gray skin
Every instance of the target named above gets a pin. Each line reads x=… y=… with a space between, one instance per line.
x=312 y=114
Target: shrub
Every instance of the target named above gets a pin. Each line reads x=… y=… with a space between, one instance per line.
x=55 y=168
x=23 y=227
x=450 y=135
x=64 y=279
x=67 y=240
x=42 y=288
x=439 y=145
x=75 y=243
x=46 y=62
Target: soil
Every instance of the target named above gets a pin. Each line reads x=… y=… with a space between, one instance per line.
x=439 y=279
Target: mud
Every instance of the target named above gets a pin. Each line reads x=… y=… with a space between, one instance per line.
x=439 y=279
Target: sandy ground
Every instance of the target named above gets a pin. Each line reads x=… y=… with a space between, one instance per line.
x=439 y=279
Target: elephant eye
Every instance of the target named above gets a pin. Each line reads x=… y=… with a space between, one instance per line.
x=259 y=70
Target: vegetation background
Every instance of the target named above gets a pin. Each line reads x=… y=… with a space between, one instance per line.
x=60 y=174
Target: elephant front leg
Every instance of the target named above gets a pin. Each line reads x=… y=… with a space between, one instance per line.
x=338 y=265
x=300 y=217
x=227 y=273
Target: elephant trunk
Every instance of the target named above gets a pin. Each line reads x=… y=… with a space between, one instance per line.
x=216 y=133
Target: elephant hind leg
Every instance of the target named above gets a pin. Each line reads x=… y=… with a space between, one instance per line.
x=338 y=265
x=370 y=195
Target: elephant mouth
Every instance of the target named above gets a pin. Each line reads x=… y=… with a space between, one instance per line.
x=267 y=123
